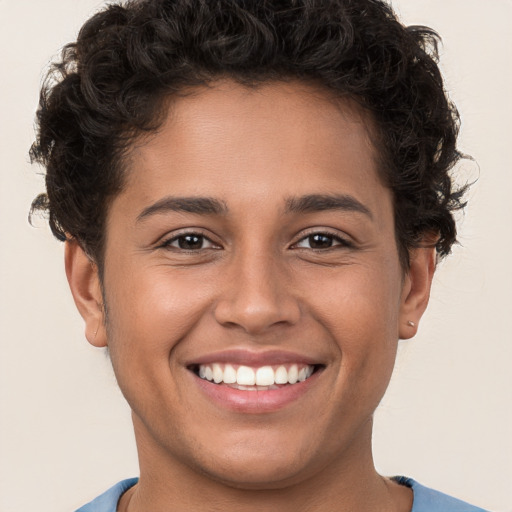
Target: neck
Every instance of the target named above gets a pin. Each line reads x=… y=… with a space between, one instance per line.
x=349 y=483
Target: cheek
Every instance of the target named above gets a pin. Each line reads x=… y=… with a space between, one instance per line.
x=150 y=313
x=360 y=312
x=361 y=299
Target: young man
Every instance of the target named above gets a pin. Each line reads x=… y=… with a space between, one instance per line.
x=253 y=196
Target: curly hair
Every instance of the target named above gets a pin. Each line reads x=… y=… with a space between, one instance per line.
x=110 y=86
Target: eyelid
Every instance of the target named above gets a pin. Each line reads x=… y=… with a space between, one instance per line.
x=344 y=241
x=174 y=236
x=166 y=241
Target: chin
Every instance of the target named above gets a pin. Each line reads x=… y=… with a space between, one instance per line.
x=258 y=475
x=250 y=460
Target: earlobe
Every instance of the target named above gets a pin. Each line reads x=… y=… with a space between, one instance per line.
x=416 y=290
x=84 y=282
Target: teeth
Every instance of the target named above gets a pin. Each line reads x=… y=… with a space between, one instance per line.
x=281 y=376
x=229 y=374
x=245 y=376
x=293 y=374
x=253 y=379
x=265 y=376
x=218 y=374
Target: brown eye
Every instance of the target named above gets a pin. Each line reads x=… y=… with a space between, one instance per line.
x=190 y=242
x=320 y=241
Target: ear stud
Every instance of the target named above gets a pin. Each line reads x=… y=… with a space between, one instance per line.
x=97 y=329
x=410 y=323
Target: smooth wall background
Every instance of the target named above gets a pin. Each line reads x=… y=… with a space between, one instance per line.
x=65 y=430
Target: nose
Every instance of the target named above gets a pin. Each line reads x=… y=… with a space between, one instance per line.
x=257 y=296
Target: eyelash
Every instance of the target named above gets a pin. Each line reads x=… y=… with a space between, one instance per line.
x=335 y=239
x=167 y=244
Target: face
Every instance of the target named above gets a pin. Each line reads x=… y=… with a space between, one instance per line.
x=253 y=286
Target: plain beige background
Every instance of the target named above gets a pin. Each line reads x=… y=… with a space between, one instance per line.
x=65 y=430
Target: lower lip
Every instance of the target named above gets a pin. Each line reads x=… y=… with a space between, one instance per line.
x=258 y=401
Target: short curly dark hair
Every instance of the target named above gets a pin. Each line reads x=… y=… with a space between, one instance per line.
x=110 y=86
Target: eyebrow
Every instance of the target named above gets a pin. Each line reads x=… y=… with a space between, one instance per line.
x=210 y=206
x=322 y=202
x=199 y=205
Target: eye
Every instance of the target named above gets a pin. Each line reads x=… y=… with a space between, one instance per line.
x=321 y=241
x=190 y=242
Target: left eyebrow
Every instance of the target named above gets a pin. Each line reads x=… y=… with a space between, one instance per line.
x=322 y=202
x=198 y=205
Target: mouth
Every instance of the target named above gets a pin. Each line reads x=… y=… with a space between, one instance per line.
x=261 y=378
x=256 y=382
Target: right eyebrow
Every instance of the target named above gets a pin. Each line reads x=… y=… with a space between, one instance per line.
x=322 y=202
x=198 y=205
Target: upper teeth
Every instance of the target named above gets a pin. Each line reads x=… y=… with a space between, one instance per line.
x=262 y=376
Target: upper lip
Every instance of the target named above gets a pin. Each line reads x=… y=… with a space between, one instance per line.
x=254 y=358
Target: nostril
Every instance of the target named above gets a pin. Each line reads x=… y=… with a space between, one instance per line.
x=257 y=316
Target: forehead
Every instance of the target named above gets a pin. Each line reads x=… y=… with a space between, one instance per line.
x=230 y=140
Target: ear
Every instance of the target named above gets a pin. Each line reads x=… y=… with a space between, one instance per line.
x=84 y=281
x=416 y=290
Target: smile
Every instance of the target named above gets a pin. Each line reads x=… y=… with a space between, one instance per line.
x=262 y=378
x=228 y=379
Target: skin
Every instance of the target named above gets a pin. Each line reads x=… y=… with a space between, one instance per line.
x=257 y=284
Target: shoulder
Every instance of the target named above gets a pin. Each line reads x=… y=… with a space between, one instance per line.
x=107 y=502
x=425 y=499
x=429 y=500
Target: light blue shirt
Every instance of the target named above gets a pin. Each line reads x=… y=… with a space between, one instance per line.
x=425 y=499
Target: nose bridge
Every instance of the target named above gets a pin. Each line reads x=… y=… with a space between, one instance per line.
x=257 y=293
